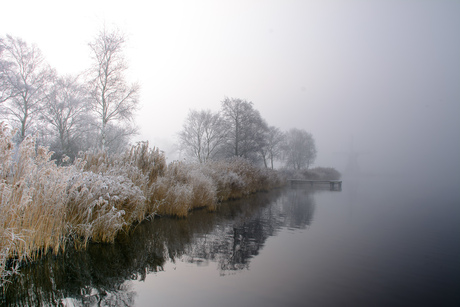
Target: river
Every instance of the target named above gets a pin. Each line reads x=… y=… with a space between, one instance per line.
x=381 y=241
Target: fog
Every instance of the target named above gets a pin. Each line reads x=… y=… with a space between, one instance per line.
x=376 y=78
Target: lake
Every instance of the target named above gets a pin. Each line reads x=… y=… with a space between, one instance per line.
x=381 y=241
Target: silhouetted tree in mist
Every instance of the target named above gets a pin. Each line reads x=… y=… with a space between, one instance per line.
x=246 y=129
x=274 y=140
x=202 y=135
x=67 y=113
x=299 y=149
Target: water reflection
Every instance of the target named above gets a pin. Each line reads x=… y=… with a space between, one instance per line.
x=100 y=275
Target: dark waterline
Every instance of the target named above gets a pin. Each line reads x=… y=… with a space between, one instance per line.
x=378 y=242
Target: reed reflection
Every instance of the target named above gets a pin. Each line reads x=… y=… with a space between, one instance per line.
x=100 y=275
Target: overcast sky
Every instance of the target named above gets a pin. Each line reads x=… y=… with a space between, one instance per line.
x=385 y=74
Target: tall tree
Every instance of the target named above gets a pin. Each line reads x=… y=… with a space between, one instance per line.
x=273 y=146
x=113 y=100
x=246 y=128
x=202 y=135
x=299 y=149
x=26 y=77
x=66 y=111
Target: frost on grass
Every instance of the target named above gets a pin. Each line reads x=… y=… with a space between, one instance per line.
x=32 y=200
x=43 y=206
x=141 y=164
x=99 y=206
x=188 y=186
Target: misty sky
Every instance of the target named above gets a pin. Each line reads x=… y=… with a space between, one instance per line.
x=385 y=74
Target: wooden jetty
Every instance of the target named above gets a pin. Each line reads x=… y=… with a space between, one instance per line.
x=332 y=183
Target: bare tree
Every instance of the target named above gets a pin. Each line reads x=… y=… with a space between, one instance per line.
x=273 y=146
x=202 y=135
x=300 y=149
x=26 y=77
x=6 y=90
x=66 y=111
x=246 y=128
x=112 y=99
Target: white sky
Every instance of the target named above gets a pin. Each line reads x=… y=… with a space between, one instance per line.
x=383 y=73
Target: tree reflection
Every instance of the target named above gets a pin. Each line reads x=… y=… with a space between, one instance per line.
x=100 y=275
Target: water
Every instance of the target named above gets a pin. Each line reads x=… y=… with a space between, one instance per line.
x=378 y=242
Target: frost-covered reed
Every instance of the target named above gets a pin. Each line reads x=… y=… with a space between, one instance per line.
x=188 y=186
x=183 y=188
x=140 y=164
x=44 y=207
x=32 y=200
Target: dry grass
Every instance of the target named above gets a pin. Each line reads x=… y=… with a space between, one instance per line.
x=142 y=165
x=32 y=200
x=183 y=188
x=188 y=186
x=237 y=177
x=43 y=206
x=99 y=207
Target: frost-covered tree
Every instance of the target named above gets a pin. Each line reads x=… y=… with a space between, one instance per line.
x=273 y=149
x=67 y=114
x=245 y=127
x=113 y=100
x=6 y=90
x=25 y=79
x=202 y=135
x=299 y=149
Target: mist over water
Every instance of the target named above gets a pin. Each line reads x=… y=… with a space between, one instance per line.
x=381 y=241
x=377 y=85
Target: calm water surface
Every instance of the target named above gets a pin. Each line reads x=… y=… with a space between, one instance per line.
x=378 y=242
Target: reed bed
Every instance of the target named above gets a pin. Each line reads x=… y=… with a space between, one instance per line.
x=32 y=201
x=45 y=207
x=140 y=164
x=183 y=188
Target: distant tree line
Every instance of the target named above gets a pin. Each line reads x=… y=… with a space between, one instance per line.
x=68 y=113
x=238 y=129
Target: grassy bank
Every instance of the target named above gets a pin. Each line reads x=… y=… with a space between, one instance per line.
x=46 y=207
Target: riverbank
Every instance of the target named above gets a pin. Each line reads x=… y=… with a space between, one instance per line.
x=45 y=207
